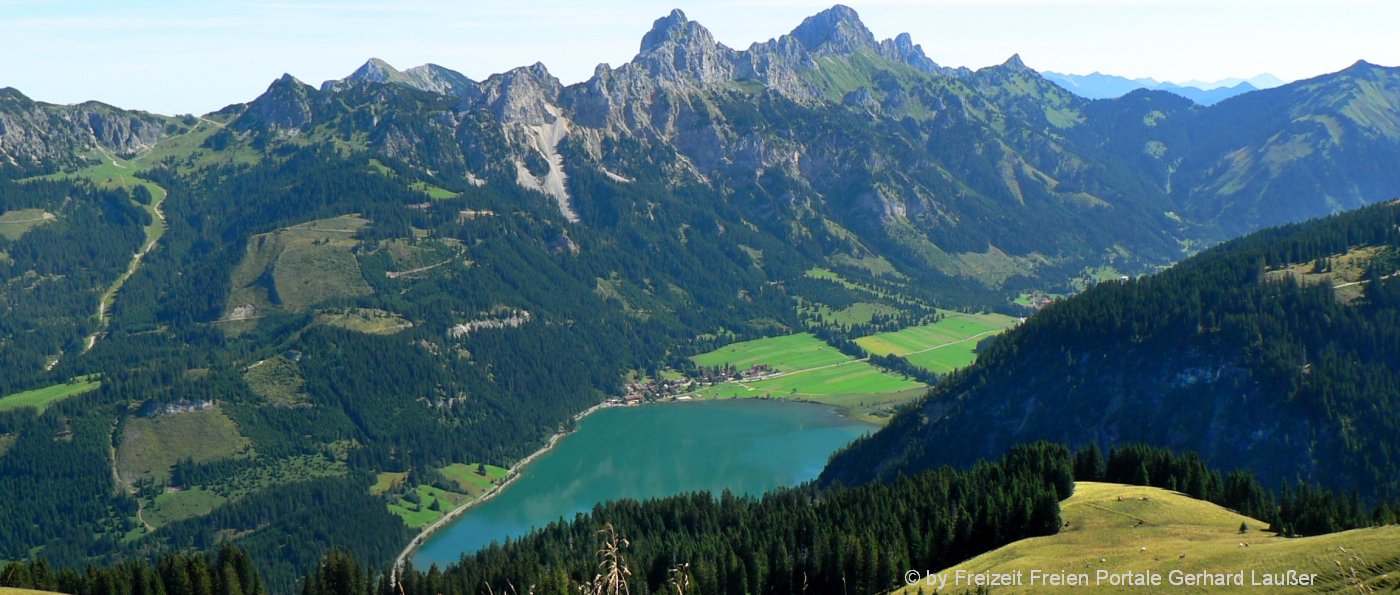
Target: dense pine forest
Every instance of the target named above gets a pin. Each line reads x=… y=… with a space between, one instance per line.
x=55 y=271
x=803 y=539
x=1278 y=352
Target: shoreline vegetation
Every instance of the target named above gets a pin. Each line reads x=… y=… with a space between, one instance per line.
x=512 y=474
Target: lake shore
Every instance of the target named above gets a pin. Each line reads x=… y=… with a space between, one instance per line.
x=511 y=475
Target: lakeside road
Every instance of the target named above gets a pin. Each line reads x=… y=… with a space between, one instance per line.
x=511 y=475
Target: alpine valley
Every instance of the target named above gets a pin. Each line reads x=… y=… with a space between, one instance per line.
x=317 y=319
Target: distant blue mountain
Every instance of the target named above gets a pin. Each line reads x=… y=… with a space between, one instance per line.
x=1107 y=86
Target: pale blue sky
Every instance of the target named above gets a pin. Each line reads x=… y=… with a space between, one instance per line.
x=177 y=56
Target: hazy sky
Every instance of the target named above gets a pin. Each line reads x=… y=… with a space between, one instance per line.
x=177 y=56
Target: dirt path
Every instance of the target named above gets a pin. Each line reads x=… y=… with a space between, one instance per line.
x=153 y=235
x=117 y=479
x=397 y=274
x=1363 y=281
x=44 y=217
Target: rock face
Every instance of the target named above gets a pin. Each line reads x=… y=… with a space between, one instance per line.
x=989 y=176
x=286 y=106
x=880 y=140
x=38 y=137
x=836 y=31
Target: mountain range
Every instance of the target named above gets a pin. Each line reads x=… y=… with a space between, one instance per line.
x=376 y=277
x=1107 y=86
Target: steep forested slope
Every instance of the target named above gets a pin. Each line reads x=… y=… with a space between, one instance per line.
x=1277 y=352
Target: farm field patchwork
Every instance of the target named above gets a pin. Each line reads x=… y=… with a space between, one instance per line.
x=808 y=369
x=940 y=347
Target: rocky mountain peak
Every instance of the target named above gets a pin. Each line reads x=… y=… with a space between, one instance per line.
x=665 y=29
x=678 y=49
x=1015 y=63
x=11 y=95
x=836 y=30
x=903 y=49
x=374 y=70
x=286 y=105
x=437 y=79
x=525 y=94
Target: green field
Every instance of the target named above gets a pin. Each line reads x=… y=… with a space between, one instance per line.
x=472 y=483
x=370 y=321
x=420 y=515
x=857 y=313
x=470 y=487
x=178 y=505
x=810 y=370
x=150 y=446
x=278 y=380
x=386 y=481
x=848 y=378
x=41 y=398
x=940 y=347
x=787 y=353
x=1112 y=527
x=433 y=192
x=13 y=224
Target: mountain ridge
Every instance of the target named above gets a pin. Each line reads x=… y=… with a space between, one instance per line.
x=1097 y=85
x=330 y=241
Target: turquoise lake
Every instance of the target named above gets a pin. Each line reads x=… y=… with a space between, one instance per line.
x=651 y=451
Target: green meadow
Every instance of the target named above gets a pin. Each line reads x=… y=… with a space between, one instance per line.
x=41 y=398
x=940 y=347
x=787 y=353
x=808 y=369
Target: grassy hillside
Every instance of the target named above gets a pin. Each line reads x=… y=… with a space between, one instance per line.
x=1121 y=528
x=150 y=446
x=292 y=268
x=13 y=224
